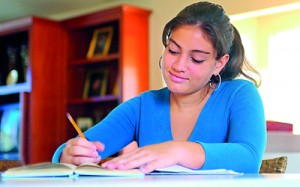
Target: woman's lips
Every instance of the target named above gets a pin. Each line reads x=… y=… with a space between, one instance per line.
x=177 y=78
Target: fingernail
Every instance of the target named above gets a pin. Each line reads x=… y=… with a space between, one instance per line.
x=143 y=168
x=94 y=153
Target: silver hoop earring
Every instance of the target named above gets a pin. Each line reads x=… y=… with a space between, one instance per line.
x=159 y=63
x=218 y=84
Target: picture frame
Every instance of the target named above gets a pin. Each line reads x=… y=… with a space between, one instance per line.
x=95 y=83
x=100 y=43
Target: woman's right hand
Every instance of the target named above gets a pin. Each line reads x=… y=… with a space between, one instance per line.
x=80 y=150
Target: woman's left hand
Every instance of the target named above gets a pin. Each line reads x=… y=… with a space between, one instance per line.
x=147 y=158
x=152 y=157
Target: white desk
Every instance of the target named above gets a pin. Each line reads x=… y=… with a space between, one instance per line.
x=272 y=180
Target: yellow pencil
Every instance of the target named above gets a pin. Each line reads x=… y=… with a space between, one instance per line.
x=75 y=125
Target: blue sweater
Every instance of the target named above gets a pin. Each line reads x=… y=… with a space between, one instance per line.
x=231 y=126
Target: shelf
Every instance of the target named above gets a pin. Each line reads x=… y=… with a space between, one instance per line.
x=9 y=106
x=15 y=26
x=16 y=88
x=80 y=101
x=84 y=62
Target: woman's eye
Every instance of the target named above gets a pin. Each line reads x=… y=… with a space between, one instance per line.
x=173 y=52
x=197 y=61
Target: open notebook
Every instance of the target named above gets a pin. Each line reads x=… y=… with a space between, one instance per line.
x=49 y=169
x=179 y=170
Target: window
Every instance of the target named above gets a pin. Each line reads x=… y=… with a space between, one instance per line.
x=281 y=79
x=272 y=44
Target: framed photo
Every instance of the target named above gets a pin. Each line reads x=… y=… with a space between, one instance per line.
x=100 y=43
x=95 y=83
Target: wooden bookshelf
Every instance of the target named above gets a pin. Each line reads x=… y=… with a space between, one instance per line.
x=126 y=61
x=55 y=76
x=38 y=93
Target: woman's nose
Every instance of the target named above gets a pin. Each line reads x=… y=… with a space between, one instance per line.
x=181 y=63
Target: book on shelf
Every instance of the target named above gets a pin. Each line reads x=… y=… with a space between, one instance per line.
x=48 y=169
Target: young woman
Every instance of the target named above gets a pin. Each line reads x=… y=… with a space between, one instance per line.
x=206 y=118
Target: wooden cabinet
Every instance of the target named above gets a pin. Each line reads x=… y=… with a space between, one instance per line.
x=38 y=92
x=56 y=74
x=126 y=61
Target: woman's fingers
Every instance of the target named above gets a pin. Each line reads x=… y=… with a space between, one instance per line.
x=81 y=160
x=147 y=158
x=153 y=165
x=134 y=159
x=99 y=146
x=79 y=150
x=77 y=160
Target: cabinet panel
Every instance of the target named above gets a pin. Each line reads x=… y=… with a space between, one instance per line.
x=47 y=97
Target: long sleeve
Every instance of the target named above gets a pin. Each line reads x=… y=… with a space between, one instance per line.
x=246 y=137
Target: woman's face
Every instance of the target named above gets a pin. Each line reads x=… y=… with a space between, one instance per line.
x=188 y=60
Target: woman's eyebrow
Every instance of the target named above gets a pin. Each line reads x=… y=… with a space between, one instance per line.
x=195 y=50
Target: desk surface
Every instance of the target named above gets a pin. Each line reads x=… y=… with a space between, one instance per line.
x=272 y=180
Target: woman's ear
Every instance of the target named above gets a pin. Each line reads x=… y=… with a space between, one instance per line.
x=221 y=63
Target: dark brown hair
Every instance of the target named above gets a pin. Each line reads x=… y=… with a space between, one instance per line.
x=212 y=19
